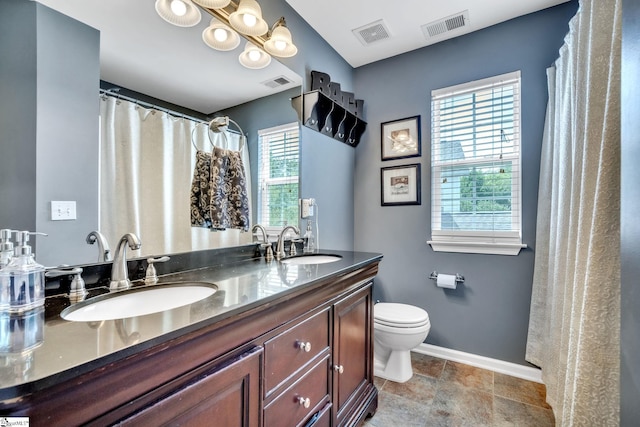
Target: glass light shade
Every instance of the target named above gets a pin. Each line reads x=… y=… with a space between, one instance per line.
x=172 y=13
x=242 y=24
x=220 y=37
x=253 y=57
x=178 y=7
x=213 y=4
x=280 y=43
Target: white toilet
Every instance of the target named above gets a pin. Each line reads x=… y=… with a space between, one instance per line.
x=397 y=329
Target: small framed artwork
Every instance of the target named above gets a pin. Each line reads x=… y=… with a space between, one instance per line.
x=400 y=185
x=401 y=138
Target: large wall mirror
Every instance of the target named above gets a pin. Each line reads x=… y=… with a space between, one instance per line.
x=142 y=53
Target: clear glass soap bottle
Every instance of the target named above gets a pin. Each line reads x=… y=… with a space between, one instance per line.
x=6 y=247
x=22 y=280
x=309 y=239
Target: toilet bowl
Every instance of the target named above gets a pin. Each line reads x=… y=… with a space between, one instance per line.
x=397 y=329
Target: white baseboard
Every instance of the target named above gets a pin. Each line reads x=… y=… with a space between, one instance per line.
x=495 y=365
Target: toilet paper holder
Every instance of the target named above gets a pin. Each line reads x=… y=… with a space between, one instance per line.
x=434 y=276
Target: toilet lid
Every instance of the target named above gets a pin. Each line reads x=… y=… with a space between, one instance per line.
x=399 y=314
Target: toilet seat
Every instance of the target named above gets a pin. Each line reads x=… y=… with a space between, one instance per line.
x=399 y=315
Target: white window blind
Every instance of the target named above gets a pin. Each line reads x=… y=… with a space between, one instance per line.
x=475 y=165
x=278 y=176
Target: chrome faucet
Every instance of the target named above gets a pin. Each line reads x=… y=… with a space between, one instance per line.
x=104 y=252
x=280 y=253
x=263 y=230
x=268 y=253
x=119 y=274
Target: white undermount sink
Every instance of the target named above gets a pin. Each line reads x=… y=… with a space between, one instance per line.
x=138 y=301
x=311 y=259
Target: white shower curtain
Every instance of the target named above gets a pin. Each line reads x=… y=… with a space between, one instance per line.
x=147 y=162
x=574 y=328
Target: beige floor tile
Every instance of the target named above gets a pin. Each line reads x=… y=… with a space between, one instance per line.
x=449 y=394
x=419 y=388
x=511 y=413
x=456 y=405
x=468 y=376
x=396 y=411
x=520 y=390
x=427 y=365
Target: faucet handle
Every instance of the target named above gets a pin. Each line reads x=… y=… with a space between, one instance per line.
x=268 y=254
x=77 y=290
x=151 y=277
x=292 y=248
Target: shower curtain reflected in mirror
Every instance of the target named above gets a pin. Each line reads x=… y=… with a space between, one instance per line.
x=147 y=162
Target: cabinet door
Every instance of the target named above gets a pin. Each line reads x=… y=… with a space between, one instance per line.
x=225 y=396
x=352 y=350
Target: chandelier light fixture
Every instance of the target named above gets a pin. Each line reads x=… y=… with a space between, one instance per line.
x=232 y=20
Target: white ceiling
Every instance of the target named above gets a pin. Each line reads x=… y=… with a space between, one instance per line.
x=334 y=20
x=140 y=51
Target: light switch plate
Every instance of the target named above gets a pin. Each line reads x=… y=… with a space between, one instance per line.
x=63 y=210
x=306 y=208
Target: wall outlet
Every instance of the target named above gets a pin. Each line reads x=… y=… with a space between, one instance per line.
x=63 y=211
x=306 y=208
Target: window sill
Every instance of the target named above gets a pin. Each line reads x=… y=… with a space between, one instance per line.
x=477 y=247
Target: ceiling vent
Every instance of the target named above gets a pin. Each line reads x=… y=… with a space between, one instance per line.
x=277 y=82
x=445 y=25
x=372 y=33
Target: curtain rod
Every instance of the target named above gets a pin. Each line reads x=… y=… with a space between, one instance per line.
x=152 y=106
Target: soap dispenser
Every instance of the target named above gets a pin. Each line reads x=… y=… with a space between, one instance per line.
x=6 y=247
x=309 y=239
x=22 y=280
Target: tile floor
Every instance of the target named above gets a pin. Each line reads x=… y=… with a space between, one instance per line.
x=444 y=393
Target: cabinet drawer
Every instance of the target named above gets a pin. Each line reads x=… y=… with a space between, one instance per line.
x=292 y=407
x=286 y=353
x=322 y=418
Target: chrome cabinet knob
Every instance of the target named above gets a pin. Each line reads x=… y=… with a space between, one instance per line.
x=304 y=346
x=338 y=368
x=306 y=402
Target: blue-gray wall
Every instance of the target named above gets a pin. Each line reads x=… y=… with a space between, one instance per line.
x=630 y=226
x=330 y=182
x=326 y=165
x=49 y=76
x=263 y=113
x=18 y=73
x=489 y=314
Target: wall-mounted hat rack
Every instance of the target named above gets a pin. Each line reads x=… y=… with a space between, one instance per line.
x=329 y=110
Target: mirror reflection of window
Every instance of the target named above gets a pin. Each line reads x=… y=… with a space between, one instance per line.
x=278 y=190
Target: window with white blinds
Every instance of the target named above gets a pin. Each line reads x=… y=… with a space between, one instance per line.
x=278 y=149
x=475 y=166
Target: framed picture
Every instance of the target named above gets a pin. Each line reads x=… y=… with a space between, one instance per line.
x=400 y=185
x=401 y=138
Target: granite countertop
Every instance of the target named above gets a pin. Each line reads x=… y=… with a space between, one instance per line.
x=46 y=349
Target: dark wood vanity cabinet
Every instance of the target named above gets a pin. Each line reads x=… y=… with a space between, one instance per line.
x=228 y=395
x=333 y=349
x=303 y=359
x=352 y=355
